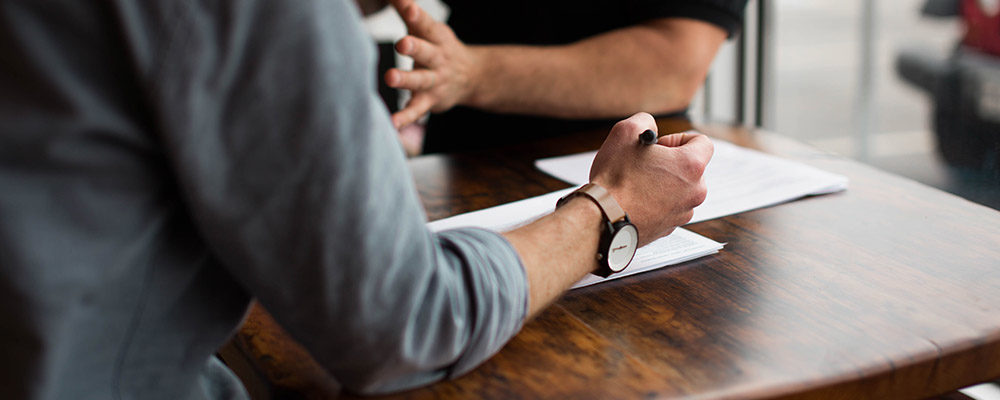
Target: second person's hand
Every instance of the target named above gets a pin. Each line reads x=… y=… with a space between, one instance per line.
x=444 y=71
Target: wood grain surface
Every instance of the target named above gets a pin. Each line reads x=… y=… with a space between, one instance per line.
x=890 y=289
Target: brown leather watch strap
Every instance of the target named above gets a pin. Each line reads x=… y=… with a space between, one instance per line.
x=612 y=211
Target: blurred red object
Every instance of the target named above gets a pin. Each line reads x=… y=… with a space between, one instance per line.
x=982 y=30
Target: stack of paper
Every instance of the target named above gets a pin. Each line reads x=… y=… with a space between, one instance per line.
x=738 y=180
x=680 y=246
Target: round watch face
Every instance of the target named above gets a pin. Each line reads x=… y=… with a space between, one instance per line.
x=623 y=246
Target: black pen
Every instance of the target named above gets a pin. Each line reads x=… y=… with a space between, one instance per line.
x=647 y=137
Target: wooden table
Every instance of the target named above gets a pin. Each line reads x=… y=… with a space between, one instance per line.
x=888 y=290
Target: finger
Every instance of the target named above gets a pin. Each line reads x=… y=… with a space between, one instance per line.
x=412 y=138
x=416 y=80
x=674 y=139
x=418 y=22
x=422 y=51
x=671 y=140
x=629 y=129
x=691 y=134
x=644 y=120
x=415 y=108
x=400 y=5
x=698 y=146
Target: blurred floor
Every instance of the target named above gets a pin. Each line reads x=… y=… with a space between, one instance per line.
x=816 y=84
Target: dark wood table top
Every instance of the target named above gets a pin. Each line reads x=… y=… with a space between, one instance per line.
x=890 y=289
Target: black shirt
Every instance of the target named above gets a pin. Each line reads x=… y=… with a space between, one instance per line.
x=549 y=22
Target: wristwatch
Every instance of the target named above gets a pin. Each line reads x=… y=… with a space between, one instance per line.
x=619 y=238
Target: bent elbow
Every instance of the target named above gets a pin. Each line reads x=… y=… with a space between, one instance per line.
x=672 y=93
x=449 y=319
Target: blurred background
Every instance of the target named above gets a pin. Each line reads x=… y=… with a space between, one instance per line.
x=819 y=67
x=861 y=78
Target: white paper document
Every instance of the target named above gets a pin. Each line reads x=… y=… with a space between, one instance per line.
x=738 y=179
x=682 y=245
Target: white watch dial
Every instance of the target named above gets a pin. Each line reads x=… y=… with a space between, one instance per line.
x=623 y=246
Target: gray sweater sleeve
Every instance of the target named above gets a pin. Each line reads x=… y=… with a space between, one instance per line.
x=290 y=168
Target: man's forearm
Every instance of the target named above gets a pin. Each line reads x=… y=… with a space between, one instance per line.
x=558 y=250
x=656 y=66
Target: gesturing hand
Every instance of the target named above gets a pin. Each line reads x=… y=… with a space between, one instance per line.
x=658 y=185
x=444 y=69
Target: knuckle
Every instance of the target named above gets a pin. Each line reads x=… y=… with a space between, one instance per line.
x=417 y=80
x=632 y=125
x=430 y=25
x=692 y=166
x=688 y=167
x=699 y=194
x=435 y=59
x=685 y=217
x=408 y=44
x=440 y=30
x=626 y=126
x=437 y=29
x=644 y=117
x=416 y=46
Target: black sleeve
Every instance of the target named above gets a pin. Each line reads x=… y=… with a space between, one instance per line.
x=727 y=14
